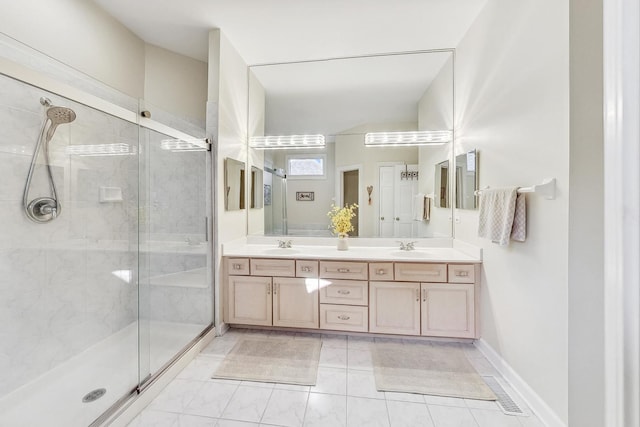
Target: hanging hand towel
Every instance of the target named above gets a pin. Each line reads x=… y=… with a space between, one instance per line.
x=519 y=228
x=418 y=207
x=426 y=215
x=497 y=209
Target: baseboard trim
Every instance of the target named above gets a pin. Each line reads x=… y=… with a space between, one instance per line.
x=528 y=395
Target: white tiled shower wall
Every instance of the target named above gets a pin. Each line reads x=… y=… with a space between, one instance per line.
x=58 y=291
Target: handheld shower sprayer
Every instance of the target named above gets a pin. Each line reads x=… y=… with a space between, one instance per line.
x=45 y=209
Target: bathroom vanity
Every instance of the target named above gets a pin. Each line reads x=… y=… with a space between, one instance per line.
x=427 y=292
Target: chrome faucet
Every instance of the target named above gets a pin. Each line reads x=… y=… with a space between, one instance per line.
x=284 y=243
x=409 y=246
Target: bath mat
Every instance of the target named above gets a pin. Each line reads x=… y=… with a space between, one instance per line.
x=435 y=369
x=272 y=360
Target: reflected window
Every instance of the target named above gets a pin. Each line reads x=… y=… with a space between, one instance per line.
x=306 y=166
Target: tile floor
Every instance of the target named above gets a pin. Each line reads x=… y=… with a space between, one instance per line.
x=345 y=394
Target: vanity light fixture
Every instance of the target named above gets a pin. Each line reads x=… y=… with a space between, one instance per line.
x=422 y=137
x=101 y=150
x=183 y=145
x=287 y=141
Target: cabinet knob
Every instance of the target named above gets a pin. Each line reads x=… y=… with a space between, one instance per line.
x=462 y=273
x=424 y=295
x=344 y=292
x=237 y=266
x=418 y=295
x=380 y=272
x=269 y=289
x=397 y=218
x=344 y=317
x=343 y=270
x=275 y=288
x=381 y=218
x=306 y=269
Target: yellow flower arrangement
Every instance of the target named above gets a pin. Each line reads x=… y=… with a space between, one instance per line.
x=341 y=219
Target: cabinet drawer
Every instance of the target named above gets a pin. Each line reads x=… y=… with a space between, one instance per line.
x=414 y=272
x=273 y=267
x=238 y=266
x=350 y=292
x=461 y=273
x=344 y=318
x=343 y=270
x=381 y=271
x=306 y=268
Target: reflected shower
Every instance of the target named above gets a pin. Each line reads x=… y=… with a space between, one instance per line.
x=45 y=209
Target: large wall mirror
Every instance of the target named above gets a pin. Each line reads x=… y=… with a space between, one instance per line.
x=343 y=100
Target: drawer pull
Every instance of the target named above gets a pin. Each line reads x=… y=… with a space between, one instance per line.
x=424 y=295
x=380 y=272
x=237 y=266
x=305 y=269
x=343 y=270
x=269 y=289
x=418 y=295
x=344 y=292
x=462 y=273
x=420 y=273
x=344 y=317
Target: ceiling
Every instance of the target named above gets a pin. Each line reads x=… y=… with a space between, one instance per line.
x=266 y=31
x=325 y=96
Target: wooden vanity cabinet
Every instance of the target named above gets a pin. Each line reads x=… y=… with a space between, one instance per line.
x=402 y=298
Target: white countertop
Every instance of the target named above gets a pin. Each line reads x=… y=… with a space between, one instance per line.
x=356 y=252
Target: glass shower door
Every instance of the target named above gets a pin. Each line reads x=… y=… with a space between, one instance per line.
x=175 y=286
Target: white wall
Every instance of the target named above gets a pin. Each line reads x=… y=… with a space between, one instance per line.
x=175 y=83
x=586 y=218
x=256 y=157
x=80 y=34
x=350 y=150
x=435 y=112
x=512 y=104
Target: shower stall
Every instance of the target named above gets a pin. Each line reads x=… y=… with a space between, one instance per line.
x=105 y=249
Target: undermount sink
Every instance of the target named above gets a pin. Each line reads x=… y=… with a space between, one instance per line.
x=410 y=254
x=281 y=251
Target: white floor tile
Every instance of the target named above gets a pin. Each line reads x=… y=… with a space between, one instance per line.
x=196 y=421
x=176 y=396
x=359 y=359
x=362 y=384
x=531 y=421
x=247 y=404
x=211 y=400
x=404 y=397
x=366 y=412
x=491 y=405
x=201 y=368
x=404 y=414
x=292 y=387
x=220 y=346
x=331 y=381
x=449 y=416
x=334 y=341
x=257 y=384
x=444 y=401
x=332 y=357
x=286 y=408
x=359 y=343
x=488 y=418
x=148 y=418
x=234 y=423
x=326 y=410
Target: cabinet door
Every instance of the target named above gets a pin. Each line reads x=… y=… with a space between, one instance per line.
x=249 y=300
x=295 y=302
x=448 y=310
x=394 y=308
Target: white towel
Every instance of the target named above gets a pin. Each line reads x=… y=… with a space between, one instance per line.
x=418 y=207
x=498 y=220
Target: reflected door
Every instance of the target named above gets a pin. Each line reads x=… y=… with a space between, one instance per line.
x=386 y=216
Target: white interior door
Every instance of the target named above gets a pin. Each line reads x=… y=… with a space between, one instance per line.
x=404 y=192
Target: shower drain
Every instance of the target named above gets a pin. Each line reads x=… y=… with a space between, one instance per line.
x=94 y=395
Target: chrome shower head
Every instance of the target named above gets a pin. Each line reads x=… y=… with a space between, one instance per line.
x=60 y=115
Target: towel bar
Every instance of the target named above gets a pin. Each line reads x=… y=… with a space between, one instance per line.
x=547 y=189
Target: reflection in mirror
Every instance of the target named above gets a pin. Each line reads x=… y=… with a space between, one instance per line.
x=442 y=185
x=344 y=99
x=256 y=188
x=234 y=184
x=467 y=180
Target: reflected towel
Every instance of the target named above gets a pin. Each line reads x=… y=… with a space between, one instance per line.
x=426 y=215
x=418 y=207
x=497 y=218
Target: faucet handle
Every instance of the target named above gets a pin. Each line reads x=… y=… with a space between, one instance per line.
x=410 y=245
x=402 y=245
